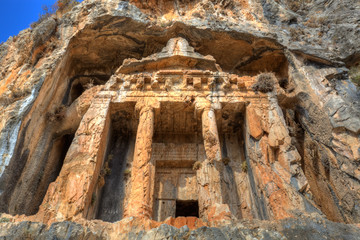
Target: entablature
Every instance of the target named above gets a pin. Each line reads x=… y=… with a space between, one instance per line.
x=183 y=80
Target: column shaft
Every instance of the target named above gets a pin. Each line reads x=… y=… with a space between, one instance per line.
x=70 y=195
x=142 y=173
x=209 y=175
x=212 y=200
x=210 y=135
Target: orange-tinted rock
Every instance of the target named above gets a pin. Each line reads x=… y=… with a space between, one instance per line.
x=142 y=172
x=245 y=155
x=277 y=135
x=191 y=222
x=70 y=195
x=254 y=121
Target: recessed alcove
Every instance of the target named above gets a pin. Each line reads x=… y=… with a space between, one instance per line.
x=80 y=83
x=76 y=90
x=177 y=145
x=112 y=189
x=49 y=172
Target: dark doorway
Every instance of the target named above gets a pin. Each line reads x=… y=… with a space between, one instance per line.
x=187 y=209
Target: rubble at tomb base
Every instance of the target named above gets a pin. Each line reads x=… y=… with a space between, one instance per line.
x=142 y=124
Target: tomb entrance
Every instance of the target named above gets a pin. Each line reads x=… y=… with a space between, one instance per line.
x=170 y=141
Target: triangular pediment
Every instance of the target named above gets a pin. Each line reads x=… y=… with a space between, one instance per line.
x=177 y=54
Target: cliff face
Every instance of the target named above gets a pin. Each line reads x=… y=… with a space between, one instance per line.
x=120 y=116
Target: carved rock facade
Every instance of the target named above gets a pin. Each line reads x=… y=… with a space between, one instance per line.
x=129 y=122
x=188 y=138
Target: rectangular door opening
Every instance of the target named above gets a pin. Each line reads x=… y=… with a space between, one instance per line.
x=187 y=208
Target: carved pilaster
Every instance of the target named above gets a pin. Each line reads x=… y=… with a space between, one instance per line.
x=70 y=196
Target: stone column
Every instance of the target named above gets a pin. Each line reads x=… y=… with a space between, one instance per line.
x=212 y=166
x=140 y=201
x=210 y=135
x=71 y=195
x=211 y=201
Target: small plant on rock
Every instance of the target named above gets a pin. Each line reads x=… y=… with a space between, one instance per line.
x=110 y=157
x=4 y=220
x=19 y=93
x=264 y=82
x=47 y=12
x=107 y=170
x=294 y=5
x=127 y=172
x=225 y=160
x=62 y=6
x=65 y=5
x=244 y=166
x=5 y=100
x=355 y=75
x=93 y=198
x=89 y=84
x=197 y=165
x=57 y=115
x=101 y=181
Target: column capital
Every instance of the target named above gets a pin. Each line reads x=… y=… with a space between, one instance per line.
x=145 y=105
x=202 y=104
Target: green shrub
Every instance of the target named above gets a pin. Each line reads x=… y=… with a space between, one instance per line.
x=20 y=93
x=93 y=198
x=127 y=172
x=42 y=17
x=65 y=5
x=354 y=74
x=244 y=166
x=294 y=5
x=107 y=170
x=4 y=220
x=5 y=100
x=264 y=82
x=197 y=165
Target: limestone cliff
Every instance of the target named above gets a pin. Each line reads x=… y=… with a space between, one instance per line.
x=182 y=120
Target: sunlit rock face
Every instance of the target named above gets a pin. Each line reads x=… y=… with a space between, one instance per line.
x=182 y=119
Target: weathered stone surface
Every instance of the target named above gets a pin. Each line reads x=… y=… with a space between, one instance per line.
x=76 y=121
x=310 y=227
x=341 y=115
x=254 y=123
x=43 y=31
x=71 y=195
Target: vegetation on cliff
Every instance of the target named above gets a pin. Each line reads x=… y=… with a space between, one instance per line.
x=61 y=6
x=287 y=160
x=355 y=75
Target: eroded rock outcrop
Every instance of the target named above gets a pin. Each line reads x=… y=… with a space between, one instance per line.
x=127 y=117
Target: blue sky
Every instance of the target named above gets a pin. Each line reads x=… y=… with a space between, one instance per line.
x=16 y=15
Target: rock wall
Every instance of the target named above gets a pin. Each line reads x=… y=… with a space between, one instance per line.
x=295 y=153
